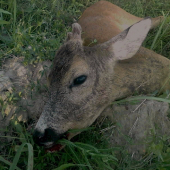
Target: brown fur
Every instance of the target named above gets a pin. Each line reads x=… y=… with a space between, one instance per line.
x=104 y=20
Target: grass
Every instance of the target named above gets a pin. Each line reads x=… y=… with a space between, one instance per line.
x=35 y=29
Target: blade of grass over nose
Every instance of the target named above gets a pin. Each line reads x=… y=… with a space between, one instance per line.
x=18 y=154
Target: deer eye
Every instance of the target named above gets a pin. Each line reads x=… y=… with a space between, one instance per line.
x=78 y=81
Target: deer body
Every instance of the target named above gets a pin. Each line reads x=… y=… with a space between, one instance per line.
x=85 y=80
x=104 y=20
x=144 y=73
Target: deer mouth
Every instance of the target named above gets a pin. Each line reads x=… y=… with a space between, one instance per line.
x=56 y=147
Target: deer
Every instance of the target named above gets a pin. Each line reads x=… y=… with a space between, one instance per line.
x=84 y=80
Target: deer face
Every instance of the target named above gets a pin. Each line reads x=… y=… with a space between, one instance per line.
x=80 y=82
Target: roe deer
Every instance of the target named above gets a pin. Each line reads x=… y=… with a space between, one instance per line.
x=84 y=81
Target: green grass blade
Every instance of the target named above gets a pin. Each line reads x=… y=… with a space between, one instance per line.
x=65 y=166
x=104 y=155
x=30 y=157
x=5 y=12
x=15 y=9
x=3 y=22
x=74 y=154
x=158 y=33
x=81 y=130
x=86 y=146
x=84 y=155
x=7 y=162
x=18 y=154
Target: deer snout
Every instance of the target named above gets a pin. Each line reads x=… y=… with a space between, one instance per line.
x=46 y=138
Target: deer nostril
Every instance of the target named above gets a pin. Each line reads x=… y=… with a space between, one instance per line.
x=43 y=138
x=38 y=137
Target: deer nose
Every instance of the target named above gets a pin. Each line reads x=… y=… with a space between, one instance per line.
x=49 y=136
x=38 y=137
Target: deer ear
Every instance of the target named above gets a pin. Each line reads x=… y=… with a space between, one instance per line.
x=126 y=44
x=76 y=32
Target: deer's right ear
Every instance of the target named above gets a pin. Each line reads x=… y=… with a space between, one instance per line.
x=126 y=44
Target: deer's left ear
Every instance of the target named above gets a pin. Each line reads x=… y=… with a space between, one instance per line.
x=76 y=32
x=127 y=43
